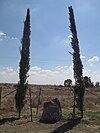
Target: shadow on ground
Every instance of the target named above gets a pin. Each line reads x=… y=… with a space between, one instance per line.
x=4 y=120
x=67 y=126
x=47 y=122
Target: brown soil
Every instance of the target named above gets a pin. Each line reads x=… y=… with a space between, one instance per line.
x=8 y=115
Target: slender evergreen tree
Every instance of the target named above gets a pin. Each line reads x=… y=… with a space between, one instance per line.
x=24 y=65
x=77 y=64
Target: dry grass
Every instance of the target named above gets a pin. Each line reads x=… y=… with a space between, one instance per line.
x=8 y=114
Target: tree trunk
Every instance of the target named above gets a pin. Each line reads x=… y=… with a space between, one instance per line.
x=30 y=103
x=82 y=109
x=0 y=96
x=19 y=114
x=77 y=64
x=74 y=107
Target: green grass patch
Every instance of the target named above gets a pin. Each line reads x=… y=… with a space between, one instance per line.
x=67 y=116
x=93 y=115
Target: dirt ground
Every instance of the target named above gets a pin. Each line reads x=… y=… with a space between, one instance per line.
x=10 y=124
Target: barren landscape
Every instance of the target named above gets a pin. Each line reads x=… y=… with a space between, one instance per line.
x=8 y=114
x=59 y=39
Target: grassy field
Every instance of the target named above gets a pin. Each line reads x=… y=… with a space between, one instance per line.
x=10 y=124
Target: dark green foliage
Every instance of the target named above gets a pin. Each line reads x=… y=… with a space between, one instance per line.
x=68 y=83
x=24 y=65
x=97 y=84
x=87 y=82
x=77 y=64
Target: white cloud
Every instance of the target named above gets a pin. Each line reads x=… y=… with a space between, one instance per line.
x=93 y=59
x=50 y=76
x=70 y=36
x=8 y=75
x=68 y=40
x=14 y=38
x=39 y=75
x=95 y=75
x=35 y=68
x=4 y=36
x=82 y=56
x=61 y=67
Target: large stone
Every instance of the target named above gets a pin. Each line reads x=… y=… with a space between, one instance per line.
x=51 y=111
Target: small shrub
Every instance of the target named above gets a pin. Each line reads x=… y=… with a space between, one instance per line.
x=67 y=116
x=85 y=121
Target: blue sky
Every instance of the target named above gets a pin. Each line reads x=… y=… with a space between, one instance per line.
x=50 y=39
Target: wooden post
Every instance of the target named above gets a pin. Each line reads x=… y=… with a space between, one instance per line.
x=30 y=103
x=0 y=96
x=38 y=101
x=74 y=108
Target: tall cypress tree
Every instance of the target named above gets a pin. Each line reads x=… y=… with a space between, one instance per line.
x=77 y=64
x=24 y=65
